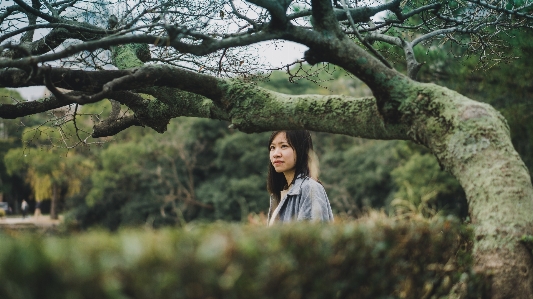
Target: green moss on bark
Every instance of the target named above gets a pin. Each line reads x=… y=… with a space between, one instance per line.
x=127 y=56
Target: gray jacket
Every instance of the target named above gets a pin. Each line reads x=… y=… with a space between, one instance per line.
x=306 y=200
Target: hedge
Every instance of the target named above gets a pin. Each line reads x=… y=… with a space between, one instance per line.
x=373 y=259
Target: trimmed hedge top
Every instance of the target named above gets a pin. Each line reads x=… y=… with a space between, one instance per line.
x=374 y=259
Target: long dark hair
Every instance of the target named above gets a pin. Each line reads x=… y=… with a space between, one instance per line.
x=301 y=142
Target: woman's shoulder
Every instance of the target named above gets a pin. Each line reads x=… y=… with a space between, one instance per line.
x=309 y=182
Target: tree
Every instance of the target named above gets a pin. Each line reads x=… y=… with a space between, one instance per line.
x=13 y=186
x=173 y=58
x=49 y=174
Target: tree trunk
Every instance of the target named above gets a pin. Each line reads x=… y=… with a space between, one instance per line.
x=55 y=196
x=472 y=141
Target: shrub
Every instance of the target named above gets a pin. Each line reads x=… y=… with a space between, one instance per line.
x=376 y=259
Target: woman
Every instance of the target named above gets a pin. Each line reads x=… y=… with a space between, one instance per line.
x=295 y=193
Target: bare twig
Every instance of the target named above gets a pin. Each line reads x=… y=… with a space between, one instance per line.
x=360 y=38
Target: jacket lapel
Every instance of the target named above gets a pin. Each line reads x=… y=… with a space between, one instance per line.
x=294 y=190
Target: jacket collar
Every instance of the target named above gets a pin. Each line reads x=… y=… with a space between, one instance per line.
x=297 y=185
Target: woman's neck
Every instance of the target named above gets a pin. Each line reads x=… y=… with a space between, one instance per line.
x=289 y=176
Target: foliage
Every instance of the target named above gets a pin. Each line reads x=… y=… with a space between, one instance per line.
x=423 y=187
x=12 y=186
x=44 y=166
x=375 y=259
x=356 y=172
x=237 y=186
x=165 y=179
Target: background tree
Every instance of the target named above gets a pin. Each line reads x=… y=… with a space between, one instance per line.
x=52 y=174
x=192 y=44
x=12 y=186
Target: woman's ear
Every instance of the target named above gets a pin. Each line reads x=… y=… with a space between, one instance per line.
x=313 y=164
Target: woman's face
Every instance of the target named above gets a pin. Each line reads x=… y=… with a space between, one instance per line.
x=282 y=155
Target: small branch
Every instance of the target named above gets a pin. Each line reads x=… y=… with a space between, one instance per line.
x=435 y=7
x=115 y=109
x=506 y=11
x=413 y=66
x=36 y=12
x=54 y=11
x=359 y=14
x=65 y=5
x=384 y=38
x=364 y=42
x=243 y=17
x=32 y=20
x=277 y=9
x=127 y=13
x=83 y=99
x=204 y=48
x=9 y=10
x=424 y=37
x=220 y=61
x=86 y=99
x=74 y=122
x=12 y=111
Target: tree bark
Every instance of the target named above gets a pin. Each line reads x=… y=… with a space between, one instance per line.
x=472 y=141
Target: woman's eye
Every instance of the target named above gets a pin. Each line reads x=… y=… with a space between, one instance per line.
x=284 y=146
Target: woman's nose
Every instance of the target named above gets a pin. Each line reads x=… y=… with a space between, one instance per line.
x=276 y=153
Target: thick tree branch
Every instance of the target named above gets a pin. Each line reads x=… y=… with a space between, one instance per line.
x=78 y=29
x=63 y=5
x=12 y=111
x=323 y=18
x=32 y=19
x=348 y=54
x=204 y=48
x=106 y=129
x=116 y=123
x=107 y=89
x=248 y=107
x=276 y=8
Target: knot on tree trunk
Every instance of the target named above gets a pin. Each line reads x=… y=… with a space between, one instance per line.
x=311 y=57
